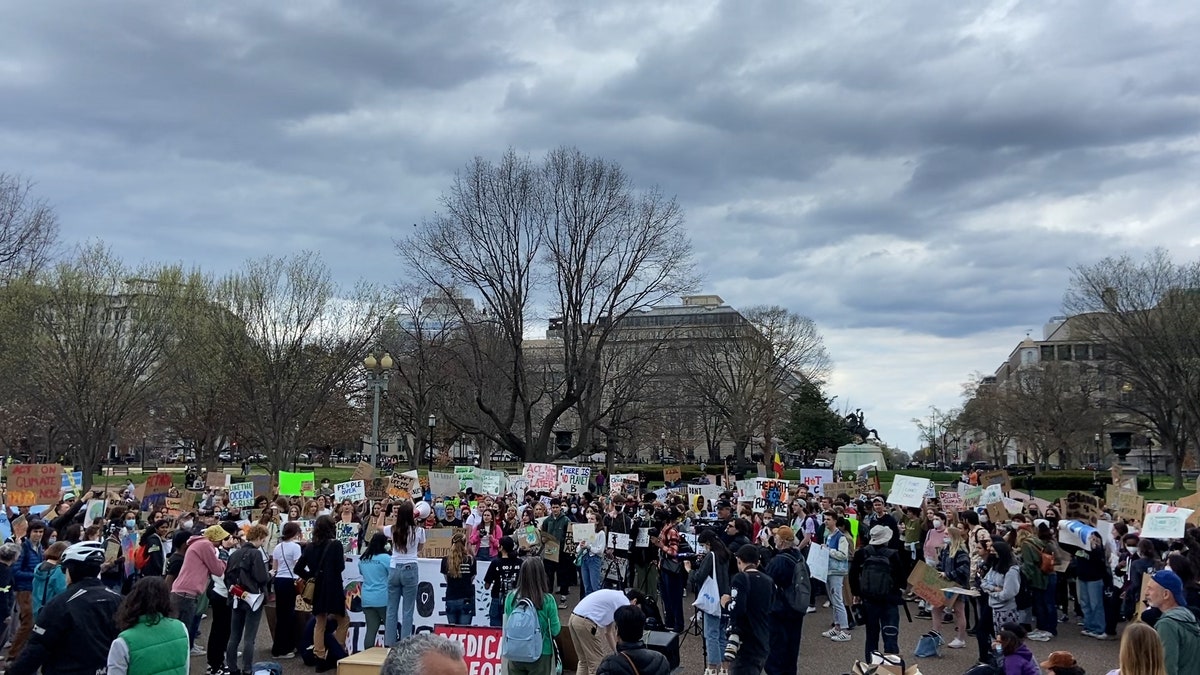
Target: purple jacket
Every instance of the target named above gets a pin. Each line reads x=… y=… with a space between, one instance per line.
x=1021 y=662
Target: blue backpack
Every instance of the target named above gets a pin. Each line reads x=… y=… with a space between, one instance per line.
x=522 y=641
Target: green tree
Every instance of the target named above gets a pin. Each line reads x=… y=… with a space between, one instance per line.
x=813 y=426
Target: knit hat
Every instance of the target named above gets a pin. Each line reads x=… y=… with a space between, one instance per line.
x=216 y=534
x=1059 y=660
x=1171 y=581
x=880 y=535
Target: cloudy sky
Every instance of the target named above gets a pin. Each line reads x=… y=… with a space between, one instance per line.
x=917 y=177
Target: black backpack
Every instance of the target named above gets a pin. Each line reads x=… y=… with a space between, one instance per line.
x=875 y=583
x=799 y=592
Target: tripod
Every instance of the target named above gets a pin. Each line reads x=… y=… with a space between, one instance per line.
x=694 y=627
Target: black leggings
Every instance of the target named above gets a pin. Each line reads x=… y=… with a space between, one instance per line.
x=984 y=627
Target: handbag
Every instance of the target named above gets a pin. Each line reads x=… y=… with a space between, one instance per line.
x=307 y=589
x=708 y=598
x=929 y=645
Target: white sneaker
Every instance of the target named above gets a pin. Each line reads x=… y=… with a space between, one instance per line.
x=197 y=650
x=826 y=605
x=830 y=633
x=841 y=637
x=956 y=644
x=811 y=610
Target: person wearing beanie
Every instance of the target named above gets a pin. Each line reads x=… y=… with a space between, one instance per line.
x=1178 y=629
x=876 y=580
x=790 y=603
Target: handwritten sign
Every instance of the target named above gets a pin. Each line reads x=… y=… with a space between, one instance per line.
x=363 y=472
x=1164 y=522
x=928 y=585
x=770 y=495
x=672 y=474
x=34 y=484
x=624 y=484
x=218 y=479
x=158 y=484
x=347 y=534
x=1081 y=506
x=573 y=480
x=541 y=477
x=437 y=541
x=997 y=513
x=952 y=502
x=550 y=546
x=833 y=489
x=618 y=541
x=972 y=496
x=999 y=477
x=443 y=484
x=466 y=478
x=816 y=479
x=376 y=488
x=908 y=491
x=491 y=482
x=241 y=495
x=1130 y=505
x=353 y=490
x=991 y=494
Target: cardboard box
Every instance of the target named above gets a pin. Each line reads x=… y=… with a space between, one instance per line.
x=367 y=662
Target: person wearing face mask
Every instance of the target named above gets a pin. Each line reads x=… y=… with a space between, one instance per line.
x=1143 y=559
x=931 y=549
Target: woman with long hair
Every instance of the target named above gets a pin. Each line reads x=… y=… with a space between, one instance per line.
x=533 y=586
x=501 y=578
x=270 y=520
x=1141 y=652
x=285 y=557
x=1090 y=569
x=714 y=564
x=247 y=571
x=322 y=563
x=841 y=547
x=375 y=566
x=407 y=542
x=311 y=510
x=671 y=569
x=485 y=537
x=459 y=569
x=1002 y=583
x=591 y=553
x=1017 y=659
x=149 y=639
x=955 y=565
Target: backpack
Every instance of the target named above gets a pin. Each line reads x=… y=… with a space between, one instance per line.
x=1047 y=561
x=522 y=641
x=875 y=582
x=799 y=592
x=140 y=556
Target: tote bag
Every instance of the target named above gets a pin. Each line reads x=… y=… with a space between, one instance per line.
x=708 y=599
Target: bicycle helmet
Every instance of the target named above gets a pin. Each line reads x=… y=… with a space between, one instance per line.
x=88 y=552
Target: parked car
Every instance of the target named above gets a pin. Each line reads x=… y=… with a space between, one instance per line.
x=981 y=466
x=822 y=463
x=505 y=456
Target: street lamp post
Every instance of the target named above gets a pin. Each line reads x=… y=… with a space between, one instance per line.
x=1096 y=452
x=378 y=373
x=432 y=426
x=1150 y=447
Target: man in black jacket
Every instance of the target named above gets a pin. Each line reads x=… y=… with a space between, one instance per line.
x=750 y=598
x=632 y=657
x=786 y=622
x=879 y=592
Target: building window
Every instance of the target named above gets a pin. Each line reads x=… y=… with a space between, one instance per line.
x=1099 y=352
x=1081 y=353
x=1064 y=352
x=1047 y=352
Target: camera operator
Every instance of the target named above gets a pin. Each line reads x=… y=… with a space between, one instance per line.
x=643 y=559
x=749 y=603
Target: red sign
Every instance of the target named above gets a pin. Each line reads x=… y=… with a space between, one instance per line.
x=481 y=646
x=158 y=484
x=34 y=484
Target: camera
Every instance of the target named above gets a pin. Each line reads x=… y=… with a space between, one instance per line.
x=732 y=646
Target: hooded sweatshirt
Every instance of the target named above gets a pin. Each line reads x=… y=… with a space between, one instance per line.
x=1021 y=662
x=1180 y=635
x=48 y=581
x=200 y=563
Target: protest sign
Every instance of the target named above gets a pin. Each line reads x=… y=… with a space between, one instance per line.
x=480 y=645
x=1081 y=506
x=437 y=541
x=833 y=489
x=1130 y=505
x=816 y=479
x=1164 y=522
x=299 y=484
x=443 y=484
x=466 y=478
x=972 y=496
x=999 y=477
x=703 y=498
x=541 y=477
x=241 y=495
x=71 y=480
x=347 y=534
x=997 y=513
x=952 y=502
x=1074 y=533
x=928 y=584
x=1191 y=502
x=219 y=480
x=818 y=562
x=353 y=490
x=582 y=531
x=34 y=484
x=376 y=488
x=550 y=546
x=95 y=511
x=573 y=480
x=908 y=491
x=770 y=495
x=624 y=484
x=1012 y=506
x=991 y=494
x=490 y=482
x=618 y=541
x=363 y=472
x=1030 y=501
x=403 y=485
x=672 y=474
x=158 y=484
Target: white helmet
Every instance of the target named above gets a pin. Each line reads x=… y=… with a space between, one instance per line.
x=91 y=552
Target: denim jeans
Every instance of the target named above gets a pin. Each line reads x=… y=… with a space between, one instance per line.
x=459 y=612
x=402 y=582
x=714 y=637
x=881 y=618
x=496 y=612
x=1043 y=605
x=484 y=555
x=834 y=586
x=590 y=573
x=1091 y=597
x=243 y=623
x=185 y=611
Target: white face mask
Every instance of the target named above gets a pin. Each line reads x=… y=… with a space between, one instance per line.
x=937 y=524
x=187 y=524
x=1132 y=550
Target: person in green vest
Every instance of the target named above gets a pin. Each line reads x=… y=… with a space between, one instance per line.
x=150 y=642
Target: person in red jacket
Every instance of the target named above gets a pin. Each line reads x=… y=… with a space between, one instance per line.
x=200 y=563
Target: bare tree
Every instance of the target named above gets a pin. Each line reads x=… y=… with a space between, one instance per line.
x=28 y=229
x=607 y=250
x=1052 y=410
x=293 y=345
x=936 y=430
x=1146 y=316
x=983 y=413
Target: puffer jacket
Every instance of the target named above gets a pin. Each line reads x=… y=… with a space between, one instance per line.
x=48 y=581
x=632 y=658
x=26 y=565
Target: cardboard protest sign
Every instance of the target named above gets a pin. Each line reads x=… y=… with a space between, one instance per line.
x=908 y=491
x=298 y=484
x=158 y=484
x=376 y=488
x=1191 y=502
x=353 y=490
x=1130 y=505
x=672 y=474
x=363 y=472
x=573 y=480
x=1164 y=522
x=437 y=541
x=997 y=513
x=402 y=485
x=219 y=480
x=550 y=546
x=443 y=484
x=541 y=477
x=241 y=495
x=999 y=477
x=928 y=585
x=34 y=484
x=1081 y=506
x=262 y=485
x=833 y=489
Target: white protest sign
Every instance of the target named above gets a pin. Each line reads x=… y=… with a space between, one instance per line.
x=908 y=491
x=991 y=493
x=643 y=537
x=815 y=478
x=466 y=478
x=1164 y=522
x=618 y=541
x=443 y=484
x=818 y=562
x=353 y=490
x=491 y=482
x=573 y=480
x=241 y=495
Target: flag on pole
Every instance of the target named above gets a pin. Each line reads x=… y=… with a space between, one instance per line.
x=778 y=466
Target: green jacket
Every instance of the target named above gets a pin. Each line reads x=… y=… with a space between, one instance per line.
x=1180 y=636
x=1031 y=563
x=547 y=617
x=155 y=646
